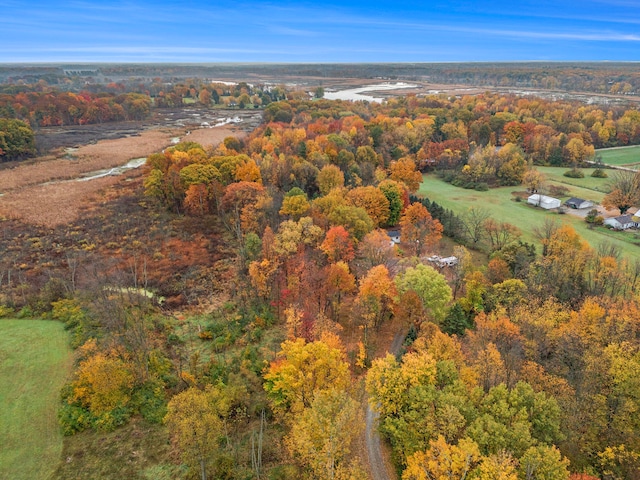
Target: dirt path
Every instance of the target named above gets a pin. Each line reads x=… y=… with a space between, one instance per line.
x=379 y=466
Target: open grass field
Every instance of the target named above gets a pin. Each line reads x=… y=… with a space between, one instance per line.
x=35 y=361
x=621 y=156
x=588 y=187
x=503 y=208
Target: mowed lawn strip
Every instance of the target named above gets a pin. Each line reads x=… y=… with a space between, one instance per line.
x=620 y=156
x=35 y=361
x=499 y=202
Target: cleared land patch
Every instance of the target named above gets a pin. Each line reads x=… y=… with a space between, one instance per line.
x=35 y=361
x=500 y=203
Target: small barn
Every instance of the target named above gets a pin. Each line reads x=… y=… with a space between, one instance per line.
x=543 y=201
x=578 y=203
x=621 y=223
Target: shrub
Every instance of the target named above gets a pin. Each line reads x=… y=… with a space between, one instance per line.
x=73 y=419
x=6 y=311
x=558 y=190
x=448 y=177
x=574 y=173
x=481 y=187
x=591 y=216
x=599 y=173
x=150 y=401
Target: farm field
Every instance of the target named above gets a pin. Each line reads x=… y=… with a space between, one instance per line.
x=500 y=202
x=621 y=156
x=35 y=361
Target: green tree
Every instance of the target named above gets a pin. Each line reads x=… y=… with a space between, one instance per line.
x=394 y=193
x=514 y=420
x=542 y=462
x=456 y=322
x=431 y=287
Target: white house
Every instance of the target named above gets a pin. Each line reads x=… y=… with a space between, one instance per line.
x=443 y=261
x=543 y=201
x=621 y=223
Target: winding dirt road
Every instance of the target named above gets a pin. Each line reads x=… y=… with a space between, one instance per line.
x=379 y=468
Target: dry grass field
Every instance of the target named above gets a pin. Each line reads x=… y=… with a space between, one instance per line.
x=28 y=195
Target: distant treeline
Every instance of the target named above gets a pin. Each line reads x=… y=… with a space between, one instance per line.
x=602 y=78
x=54 y=108
x=41 y=105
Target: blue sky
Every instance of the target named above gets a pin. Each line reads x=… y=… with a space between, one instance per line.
x=348 y=31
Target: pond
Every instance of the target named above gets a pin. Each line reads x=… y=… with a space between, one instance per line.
x=355 y=94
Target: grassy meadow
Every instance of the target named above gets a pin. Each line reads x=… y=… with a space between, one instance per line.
x=35 y=361
x=500 y=202
x=621 y=156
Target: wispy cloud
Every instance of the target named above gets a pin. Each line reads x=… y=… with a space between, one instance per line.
x=295 y=32
x=373 y=30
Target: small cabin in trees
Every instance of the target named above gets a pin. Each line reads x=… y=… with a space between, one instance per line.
x=543 y=201
x=621 y=222
x=394 y=236
x=578 y=203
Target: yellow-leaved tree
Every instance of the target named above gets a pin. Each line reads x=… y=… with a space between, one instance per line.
x=302 y=369
x=443 y=461
x=196 y=420
x=322 y=435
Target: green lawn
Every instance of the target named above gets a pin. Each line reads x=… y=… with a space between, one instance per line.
x=504 y=209
x=35 y=361
x=626 y=156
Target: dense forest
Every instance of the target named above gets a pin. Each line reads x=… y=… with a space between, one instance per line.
x=515 y=366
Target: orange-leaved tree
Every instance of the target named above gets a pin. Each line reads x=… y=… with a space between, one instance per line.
x=419 y=229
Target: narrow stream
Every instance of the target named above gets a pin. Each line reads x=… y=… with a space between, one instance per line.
x=130 y=165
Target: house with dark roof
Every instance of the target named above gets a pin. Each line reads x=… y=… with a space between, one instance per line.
x=578 y=203
x=394 y=236
x=621 y=222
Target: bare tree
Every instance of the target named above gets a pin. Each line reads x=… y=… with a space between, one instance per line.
x=473 y=223
x=544 y=233
x=625 y=191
